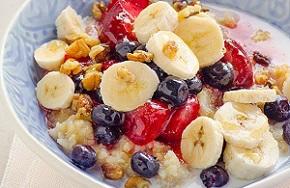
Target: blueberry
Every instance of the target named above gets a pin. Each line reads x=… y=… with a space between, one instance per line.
x=107 y=135
x=220 y=75
x=173 y=91
x=214 y=176
x=194 y=85
x=286 y=132
x=96 y=96
x=160 y=73
x=103 y=115
x=78 y=83
x=142 y=47
x=124 y=47
x=278 y=110
x=144 y=164
x=83 y=156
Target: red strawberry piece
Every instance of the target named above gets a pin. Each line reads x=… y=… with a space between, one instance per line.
x=146 y=123
x=243 y=68
x=117 y=22
x=140 y=3
x=175 y=146
x=180 y=119
x=107 y=64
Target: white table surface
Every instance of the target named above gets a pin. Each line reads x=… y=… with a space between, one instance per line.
x=7 y=11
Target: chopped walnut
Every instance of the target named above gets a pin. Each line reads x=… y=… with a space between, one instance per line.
x=229 y=20
x=141 y=56
x=261 y=79
x=124 y=74
x=137 y=182
x=83 y=105
x=98 y=9
x=179 y=5
x=78 y=49
x=260 y=36
x=170 y=49
x=91 y=41
x=112 y=171
x=189 y=11
x=99 y=52
x=71 y=67
x=91 y=80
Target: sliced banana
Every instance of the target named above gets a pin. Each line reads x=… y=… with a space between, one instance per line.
x=128 y=85
x=172 y=55
x=55 y=91
x=251 y=96
x=69 y=25
x=244 y=125
x=249 y=164
x=204 y=36
x=156 y=17
x=50 y=55
x=286 y=88
x=202 y=143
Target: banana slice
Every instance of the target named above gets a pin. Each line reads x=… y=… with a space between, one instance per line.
x=128 y=85
x=244 y=125
x=69 y=25
x=286 y=88
x=249 y=164
x=172 y=55
x=204 y=36
x=55 y=91
x=251 y=96
x=50 y=55
x=202 y=143
x=156 y=17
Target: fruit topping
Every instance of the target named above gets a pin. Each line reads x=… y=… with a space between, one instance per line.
x=83 y=156
x=173 y=91
x=286 y=132
x=144 y=164
x=194 y=85
x=107 y=64
x=118 y=22
x=278 y=110
x=214 y=176
x=104 y=115
x=180 y=119
x=219 y=75
x=146 y=123
x=107 y=135
x=160 y=73
x=124 y=47
x=261 y=59
x=140 y=3
x=78 y=83
x=243 y=70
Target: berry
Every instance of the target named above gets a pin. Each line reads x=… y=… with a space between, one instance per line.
x=286 y=132
x=142 y=47
x=117 y=22
x=140 y=3
x=173 y=91
x=146 y=123
x=144 y=164
x=180 y=119
x=278 y=110
x=243 y=70
x=214 y=176
x=261 y=59
x=78 y=83
x=107 y=135
x=124 y=47
x=160 y=73
x=83 y=156
x=220 y=75
x=194 y=85
x=103 y=115
x=107 y=64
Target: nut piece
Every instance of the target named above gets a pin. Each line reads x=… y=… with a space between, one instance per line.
x=71 y=67
x=189 y=11
x=112 y=171
x=141 y=56
x=170 y=49
x=260 y=36
x=78 y=49
x=93 y=68
x=98 y=9
x=83 y=105
x=99 y=53
x=137 y=182
x=91 y=80
x=124 y=74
